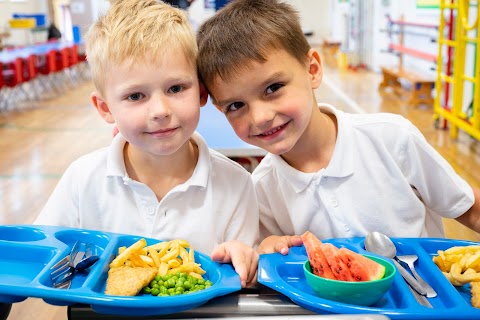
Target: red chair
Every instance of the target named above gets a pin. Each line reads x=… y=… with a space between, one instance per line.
x=12 y=78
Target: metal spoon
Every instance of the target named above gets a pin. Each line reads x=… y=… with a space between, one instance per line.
x=380 y=244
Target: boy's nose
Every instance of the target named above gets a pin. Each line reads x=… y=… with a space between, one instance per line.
x=160 y=109
x=261 y=114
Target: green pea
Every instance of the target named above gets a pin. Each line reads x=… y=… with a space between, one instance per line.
x=179 y=289
x=170 y=283
x=158 y=277
x=163 y=290
x=155 y=292
x=146 y=290
x=187 y=285
x=152 y=283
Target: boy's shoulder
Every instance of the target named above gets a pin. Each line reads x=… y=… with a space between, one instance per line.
x=367 y=121
x=101 y=160
x=92 y=160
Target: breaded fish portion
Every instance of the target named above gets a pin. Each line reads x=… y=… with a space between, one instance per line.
x=128 y=281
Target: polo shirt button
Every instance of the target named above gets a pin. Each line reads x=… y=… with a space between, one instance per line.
x=334 y=203
x=151 y=210
x=347 y=228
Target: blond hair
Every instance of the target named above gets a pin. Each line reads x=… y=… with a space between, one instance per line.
x=137 y=31
x=244 y=31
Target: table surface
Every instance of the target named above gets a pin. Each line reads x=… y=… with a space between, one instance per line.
x=23 y=52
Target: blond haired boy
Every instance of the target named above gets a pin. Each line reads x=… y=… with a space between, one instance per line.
x=333 y=173
x=158 y=178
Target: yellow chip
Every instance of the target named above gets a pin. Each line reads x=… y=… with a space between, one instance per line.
x=122 y=257
x=153 y=253
x=173 y=253
x=163 y=269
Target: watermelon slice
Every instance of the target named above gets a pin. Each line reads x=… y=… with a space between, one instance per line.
x=361 y=268
x=317 y=258
x=339 y=268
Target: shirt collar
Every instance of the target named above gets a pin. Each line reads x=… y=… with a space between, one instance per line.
x=116 y=162
x=341 y=164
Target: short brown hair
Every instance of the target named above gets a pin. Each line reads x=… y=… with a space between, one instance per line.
x=137 y=30
x=244 y=31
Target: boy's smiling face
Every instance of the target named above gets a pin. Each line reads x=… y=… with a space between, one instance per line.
x=270 y=104
x=156 y=106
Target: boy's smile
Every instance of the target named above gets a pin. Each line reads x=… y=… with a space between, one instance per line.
x=270 y=104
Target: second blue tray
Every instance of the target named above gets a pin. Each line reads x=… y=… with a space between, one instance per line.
x=285 y=275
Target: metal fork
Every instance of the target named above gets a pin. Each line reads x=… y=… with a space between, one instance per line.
x=63 y=271
x=410 y=261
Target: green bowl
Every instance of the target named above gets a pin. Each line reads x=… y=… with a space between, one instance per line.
x=364 y=293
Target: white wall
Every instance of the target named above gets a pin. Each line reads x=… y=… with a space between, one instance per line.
x=21 y=36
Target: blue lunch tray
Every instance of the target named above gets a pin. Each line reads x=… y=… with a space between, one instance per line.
x=27 y=253
x=285 y=275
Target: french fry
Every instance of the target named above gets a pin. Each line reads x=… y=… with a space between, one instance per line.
x=191 y=255
x=173 y=253
x=153 y=253
x=122 y=257
x=474 y=261
x=169 y=257
x=461 y=250
x=183 y=243
x=174 y=263
x=137 y=261
x=163 y=269
x=184 y=254
x=164 y=250
x=459 y=264
x=158 y=246
x=148 y=260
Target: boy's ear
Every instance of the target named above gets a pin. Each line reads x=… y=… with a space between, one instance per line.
x=203 y=95
x=315 y=68
x=102 y=107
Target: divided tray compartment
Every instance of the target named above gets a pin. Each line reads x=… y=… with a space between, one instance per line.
x=28 y=253
x=285 y=275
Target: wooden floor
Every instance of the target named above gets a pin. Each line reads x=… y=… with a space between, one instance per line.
x=37 y=144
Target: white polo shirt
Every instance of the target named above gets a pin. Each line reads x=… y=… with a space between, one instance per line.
x=378 y=161
x=215 y=205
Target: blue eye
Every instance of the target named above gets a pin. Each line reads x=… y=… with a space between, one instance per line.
x=235 y=106
x=175 y=89
x=135 y=96
x=274 y=87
